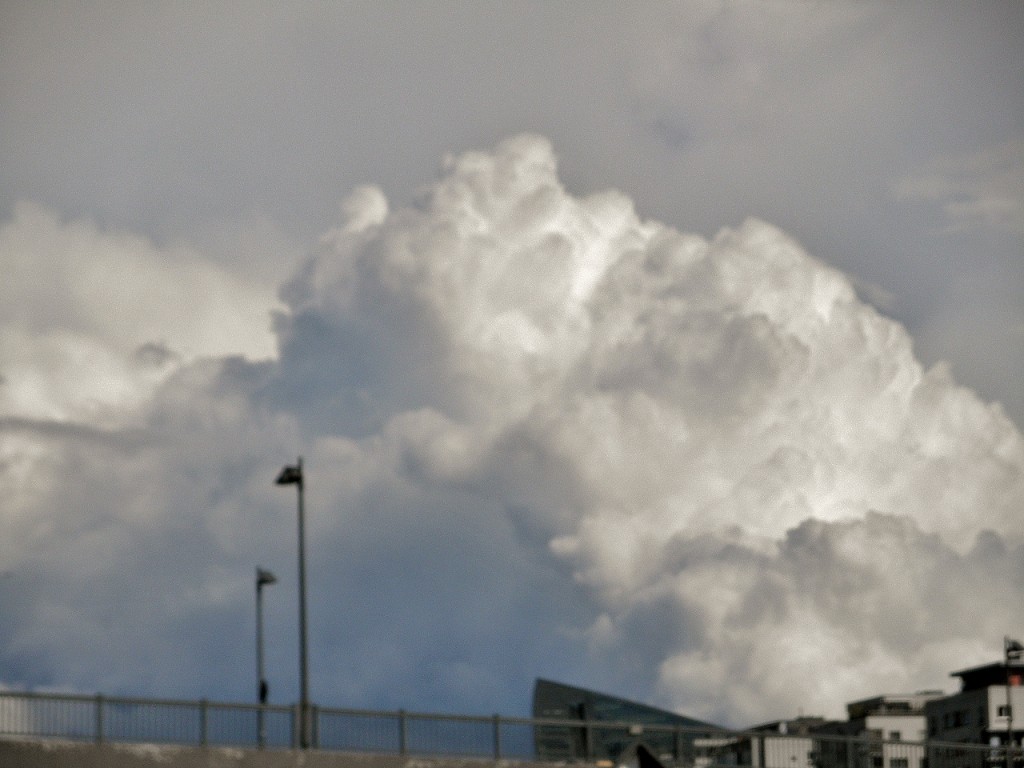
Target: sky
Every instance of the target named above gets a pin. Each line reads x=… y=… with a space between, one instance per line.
x=668 y=349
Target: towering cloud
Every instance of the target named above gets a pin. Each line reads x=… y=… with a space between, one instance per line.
x=554 y=438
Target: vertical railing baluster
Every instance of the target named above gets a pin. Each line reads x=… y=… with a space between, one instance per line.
x=203 y=724
x=497 y=737
x=99 y=718
x=402 y=746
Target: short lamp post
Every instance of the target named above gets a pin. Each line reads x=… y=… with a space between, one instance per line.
x=263 y=578
x=292 y=475
x=1012 y=652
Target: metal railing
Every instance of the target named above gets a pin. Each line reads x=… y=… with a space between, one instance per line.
x=102 y=719
x=207 y=723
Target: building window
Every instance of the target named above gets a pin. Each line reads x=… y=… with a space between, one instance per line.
x=895 y=736
x=1004 y=710
x=899 y=762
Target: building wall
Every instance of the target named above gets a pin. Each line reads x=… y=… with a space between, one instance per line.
x=793 y=751
x=882 y=741
x=976 y=716
x=898 y=727
x=996 y=720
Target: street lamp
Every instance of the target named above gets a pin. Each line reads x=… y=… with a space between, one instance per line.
x=263 y=578
x=292 y=475
x=1012 y=651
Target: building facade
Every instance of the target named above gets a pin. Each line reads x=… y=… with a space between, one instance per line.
x=881 y=732
x=788 y=743
x=612 y=730
x=988 y=710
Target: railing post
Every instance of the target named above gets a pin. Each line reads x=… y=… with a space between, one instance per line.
x=314 y=715
x=202 y=721
x=497 y=737
x=99 y=718
x=402 y=747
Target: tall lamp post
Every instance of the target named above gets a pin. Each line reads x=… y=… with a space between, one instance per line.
x=263 y=578
x=1012 y=651
x=292 y=475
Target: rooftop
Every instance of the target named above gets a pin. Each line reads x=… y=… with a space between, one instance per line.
x=986 y=675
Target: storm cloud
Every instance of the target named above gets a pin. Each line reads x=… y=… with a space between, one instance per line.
x=544 y=436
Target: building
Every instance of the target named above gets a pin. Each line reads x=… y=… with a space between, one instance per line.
x=988 y=709
x=786 y=742
x=613 y=731
x=782 y=743
x=881 y=732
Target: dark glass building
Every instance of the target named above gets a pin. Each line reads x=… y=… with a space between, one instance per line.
x=616 y=730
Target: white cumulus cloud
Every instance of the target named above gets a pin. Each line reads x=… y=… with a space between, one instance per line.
x=552 y=438
x=91 y=319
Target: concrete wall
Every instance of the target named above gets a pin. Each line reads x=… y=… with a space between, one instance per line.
x=52 y=753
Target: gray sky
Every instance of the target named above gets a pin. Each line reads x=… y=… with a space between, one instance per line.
x=545 y=421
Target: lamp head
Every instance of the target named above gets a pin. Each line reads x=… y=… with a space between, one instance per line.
x=290 y=475
x=264 y=577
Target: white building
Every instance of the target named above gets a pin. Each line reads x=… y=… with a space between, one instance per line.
x=786 y=743
x=881 y=732
x=780 y=744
